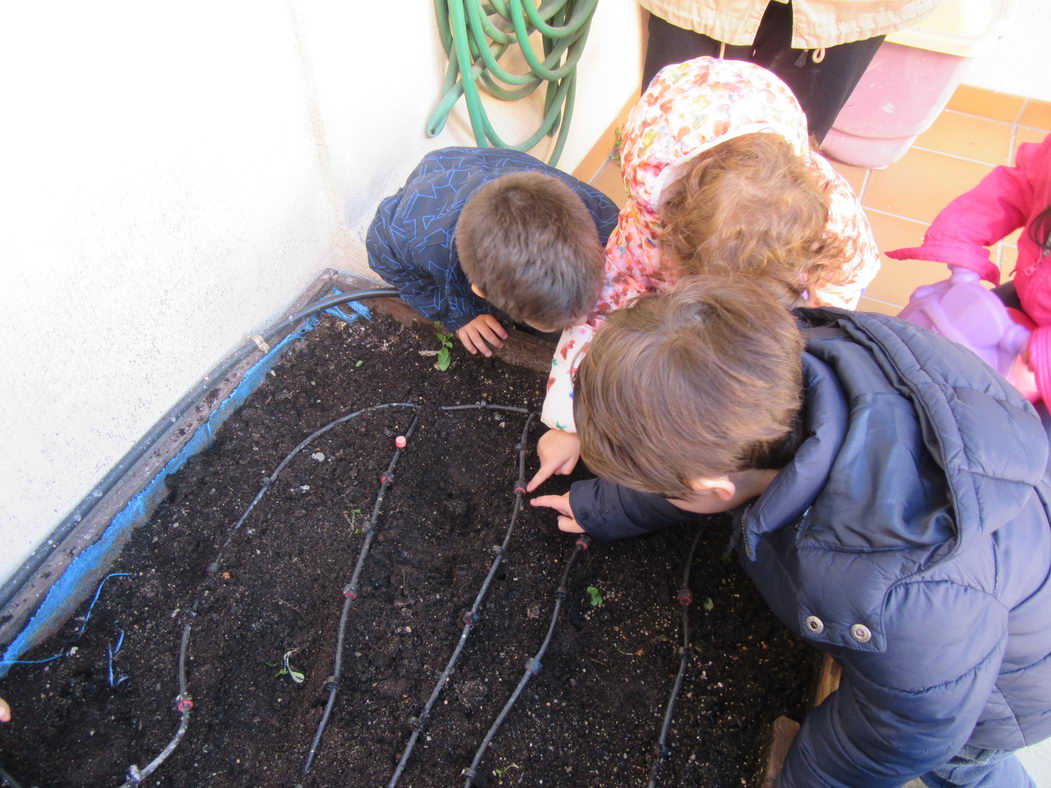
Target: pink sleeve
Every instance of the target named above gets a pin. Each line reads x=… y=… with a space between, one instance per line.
x=979 y=218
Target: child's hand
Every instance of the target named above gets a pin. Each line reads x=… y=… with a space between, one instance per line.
x=560 y=503
x=5 y=711
x=483 y=329
x=558 y=451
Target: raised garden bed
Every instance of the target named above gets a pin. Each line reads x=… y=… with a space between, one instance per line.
x=591 y=716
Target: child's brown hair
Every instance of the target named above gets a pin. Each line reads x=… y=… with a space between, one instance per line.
x=698 y=382
x=749 y=206
x=530 y=244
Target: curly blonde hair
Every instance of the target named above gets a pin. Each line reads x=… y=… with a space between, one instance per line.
x=750 y=206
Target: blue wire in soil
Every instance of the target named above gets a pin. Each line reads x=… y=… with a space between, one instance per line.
x=95 y=599
x=533 y=664
x=83 y=626
x=112 y=651
x=471 y=618
x=31 y=661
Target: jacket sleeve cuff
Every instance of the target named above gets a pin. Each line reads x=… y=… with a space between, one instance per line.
x=609 y=512
x=455 y=323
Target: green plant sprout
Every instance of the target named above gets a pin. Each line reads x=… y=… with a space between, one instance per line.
x=614 y=155
x=445 y=339
x=709 y=605
x=293 y=674
x=355 y=515
x=358 y=363
x=594 y=596
x=501 y=773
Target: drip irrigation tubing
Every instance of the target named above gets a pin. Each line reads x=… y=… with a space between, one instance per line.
x=184 y=702
x=476 y=33
x=486 y=406
x=178 y=411
x=269 y=480
x=350 y=594
x=471 y=618
x=685 y=599
x=533 y=664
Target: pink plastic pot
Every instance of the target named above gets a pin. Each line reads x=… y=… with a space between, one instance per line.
x=911 y=79
x=899 y=97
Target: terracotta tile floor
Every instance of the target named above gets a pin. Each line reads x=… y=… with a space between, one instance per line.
x=978 y=130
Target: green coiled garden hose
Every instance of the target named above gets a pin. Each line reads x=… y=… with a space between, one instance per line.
x=476 y=33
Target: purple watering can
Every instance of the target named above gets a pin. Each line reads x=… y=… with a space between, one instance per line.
x=960 y=309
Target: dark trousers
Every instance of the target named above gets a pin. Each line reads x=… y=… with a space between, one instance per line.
x=821 y=88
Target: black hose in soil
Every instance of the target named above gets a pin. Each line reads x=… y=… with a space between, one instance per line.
x=533 y=664
x=471 y=618
x=685 y=599
x=350 y=594
x=184 y=702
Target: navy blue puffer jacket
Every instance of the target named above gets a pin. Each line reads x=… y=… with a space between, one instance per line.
x=910 y=537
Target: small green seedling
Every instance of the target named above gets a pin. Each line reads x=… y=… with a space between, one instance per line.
x=445 y=339
x=500 y=774
x=358 y=363
x=355 y=516
x=293 y=674
x=594 y=596
x=709 y=605
x=614 y=155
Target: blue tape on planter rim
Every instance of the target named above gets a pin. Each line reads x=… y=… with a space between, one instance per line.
x=83 y=570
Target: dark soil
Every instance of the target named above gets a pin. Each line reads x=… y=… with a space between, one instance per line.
x=591 y=717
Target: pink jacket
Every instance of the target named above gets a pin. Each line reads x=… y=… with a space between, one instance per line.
x=687 y=109
x=1006 y=199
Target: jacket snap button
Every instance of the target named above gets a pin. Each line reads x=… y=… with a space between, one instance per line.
x=861 y=633
x=815 y=625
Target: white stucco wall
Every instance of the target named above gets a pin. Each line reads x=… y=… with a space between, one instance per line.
x=173 y=175
x=1018 y=63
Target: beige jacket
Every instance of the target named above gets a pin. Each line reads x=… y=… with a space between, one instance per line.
x=815 y=23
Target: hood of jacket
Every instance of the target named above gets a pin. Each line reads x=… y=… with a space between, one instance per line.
x=689 y=108
x=913 y=452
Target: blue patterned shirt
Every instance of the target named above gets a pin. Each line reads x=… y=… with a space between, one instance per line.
x=410 y=241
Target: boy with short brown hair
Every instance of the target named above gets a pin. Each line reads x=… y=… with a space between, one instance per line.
x=478 y=230
x=889 y=501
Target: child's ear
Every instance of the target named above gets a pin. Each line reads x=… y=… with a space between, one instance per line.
x=721 y=487
x=477 y=291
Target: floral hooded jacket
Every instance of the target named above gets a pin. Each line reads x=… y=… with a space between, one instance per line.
x=687 y=109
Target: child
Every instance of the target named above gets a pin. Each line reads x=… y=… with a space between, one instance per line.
x=888 y=499
x=720 y=176
x=476 y=229
x=1006 y=199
